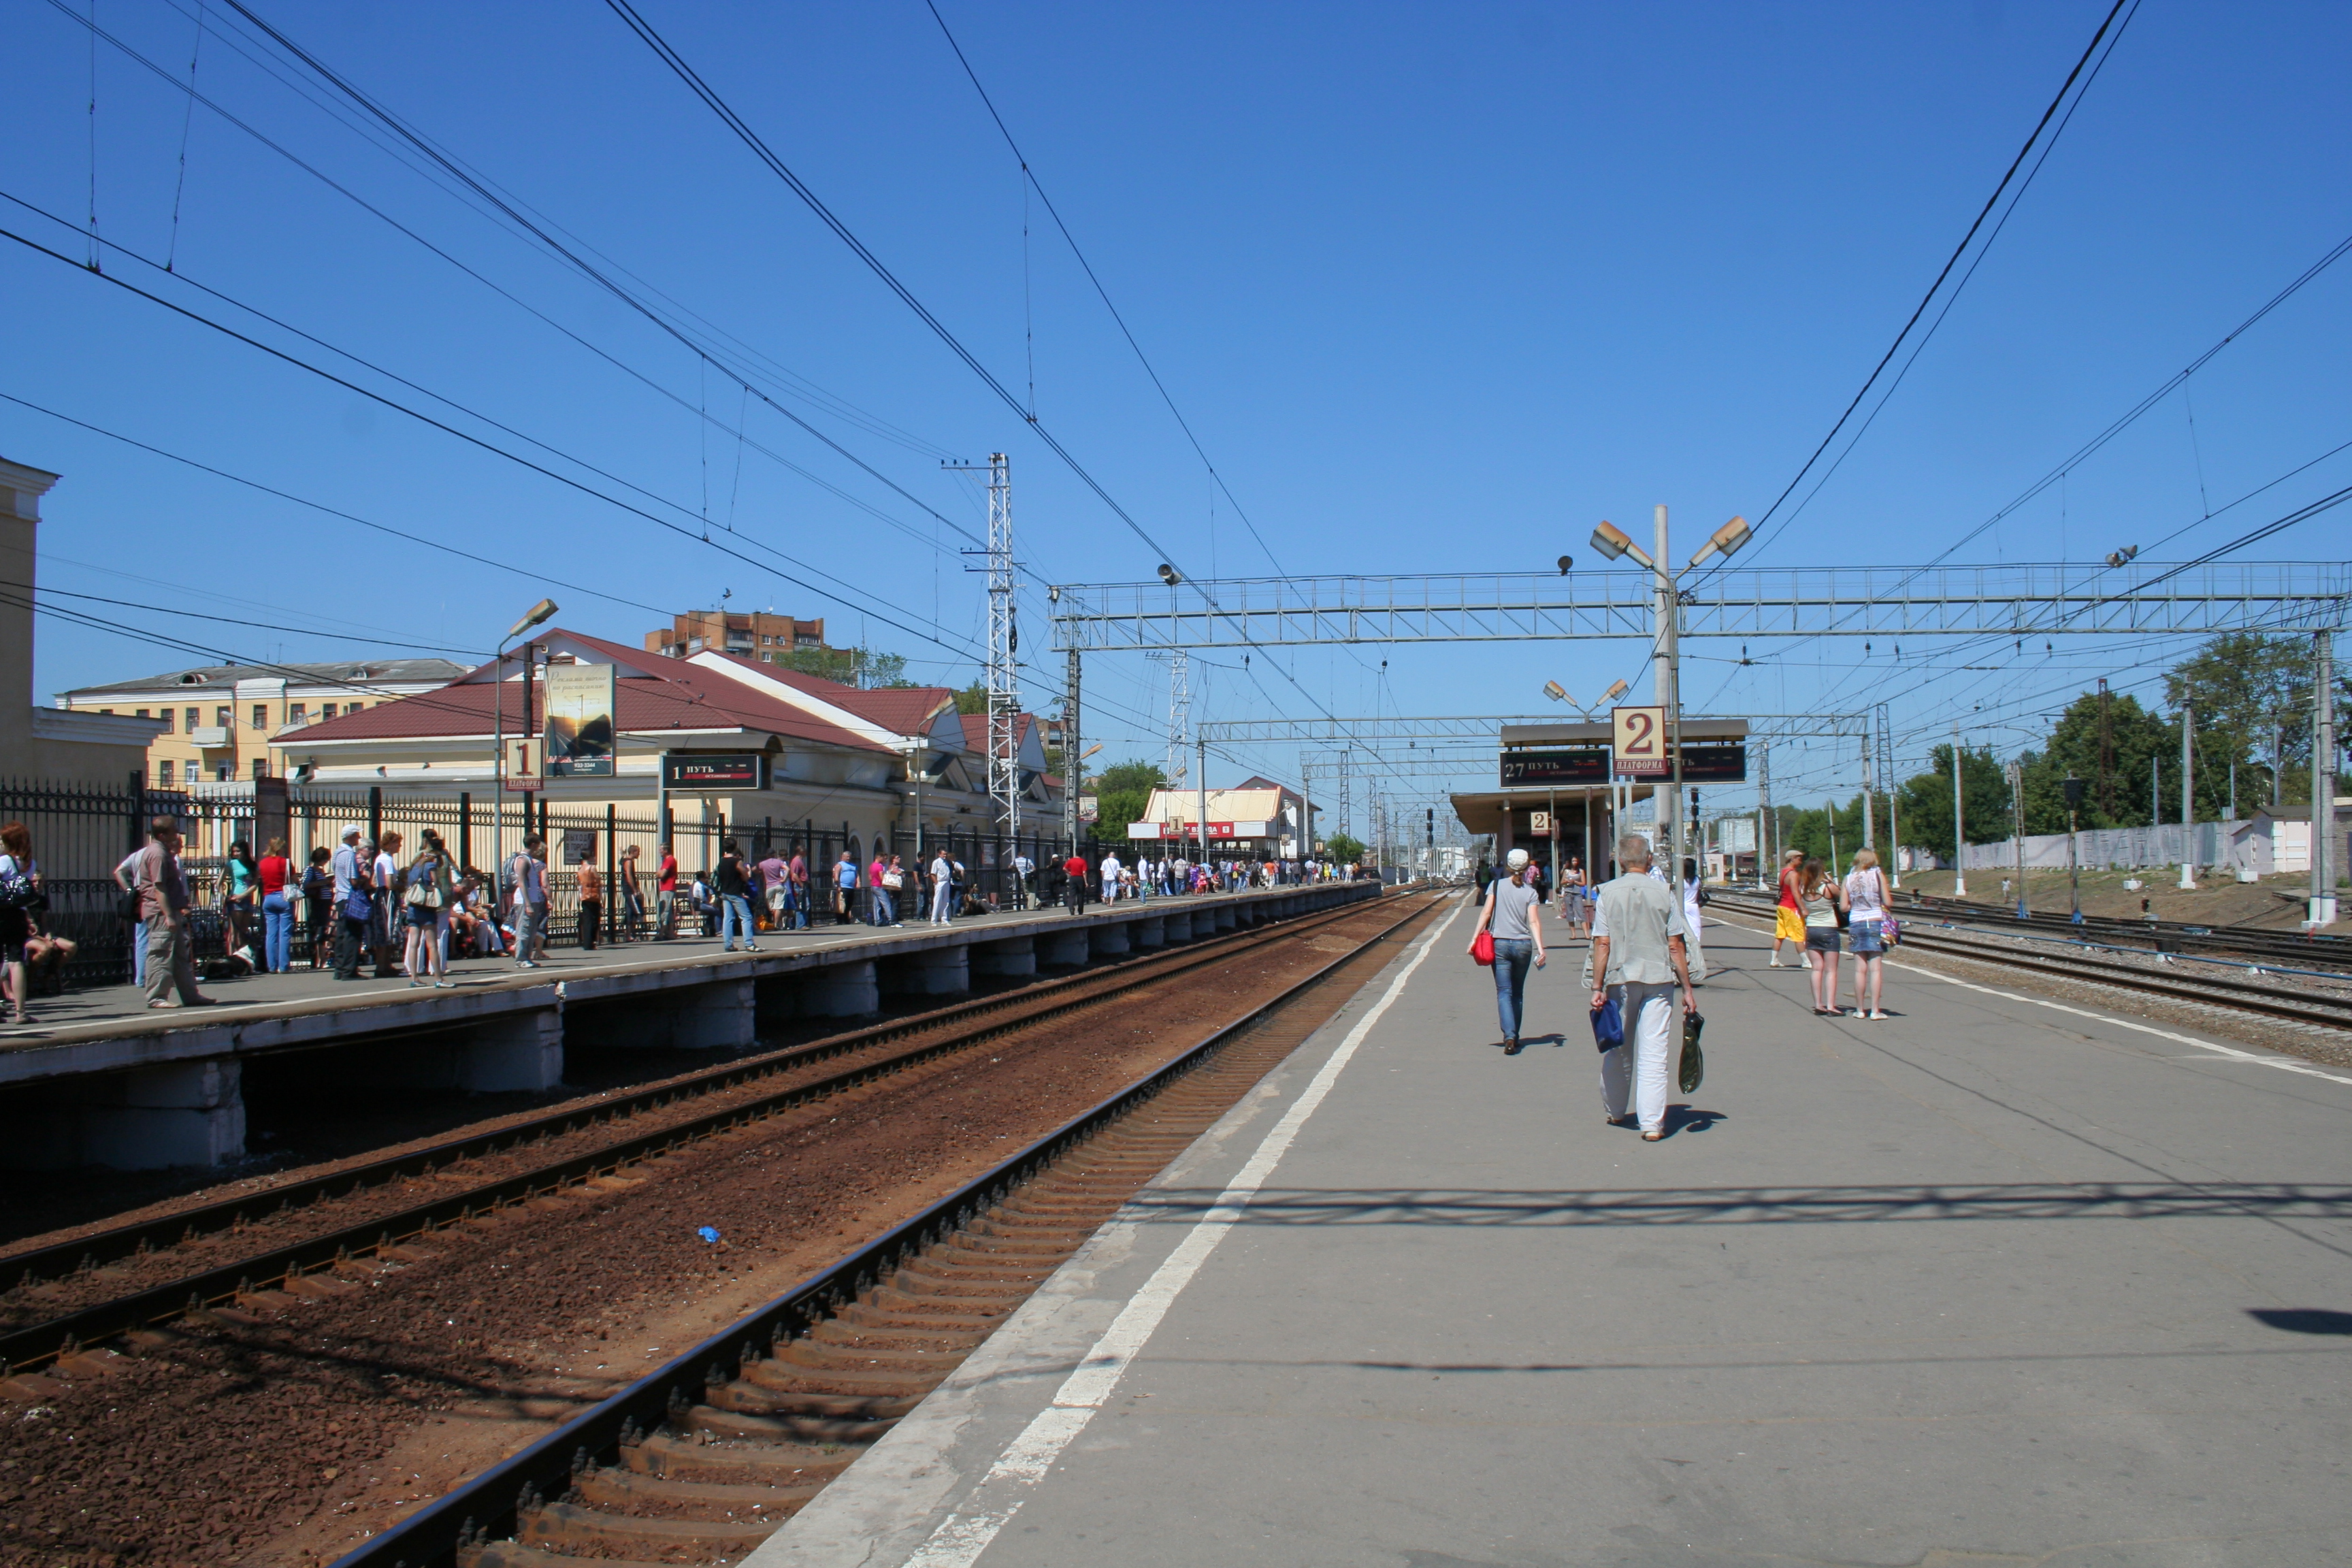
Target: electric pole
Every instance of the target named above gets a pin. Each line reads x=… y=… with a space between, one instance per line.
x=2323 y=786
x=1959 y=830
x=2187 y=798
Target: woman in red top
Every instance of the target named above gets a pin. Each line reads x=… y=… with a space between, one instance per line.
x=276 y=910
x=1788 y=921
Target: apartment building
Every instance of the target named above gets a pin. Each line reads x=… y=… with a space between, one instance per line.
x=220 y=721
x=756 y=634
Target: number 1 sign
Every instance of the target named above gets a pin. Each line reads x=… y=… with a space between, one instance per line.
x=1639 y=737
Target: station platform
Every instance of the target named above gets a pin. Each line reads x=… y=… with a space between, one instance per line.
x=1995 y=1282
x=99 y=1079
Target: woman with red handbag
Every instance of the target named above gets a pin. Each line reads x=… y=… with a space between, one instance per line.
x=1509 y=937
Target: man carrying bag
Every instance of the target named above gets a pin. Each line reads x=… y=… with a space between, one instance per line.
x=1638 y=956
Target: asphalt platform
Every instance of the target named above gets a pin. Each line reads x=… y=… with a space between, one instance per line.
x=1997 y=1281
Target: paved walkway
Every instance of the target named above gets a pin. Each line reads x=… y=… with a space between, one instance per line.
x=1996 y=1283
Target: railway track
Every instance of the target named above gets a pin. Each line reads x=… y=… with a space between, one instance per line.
x=2296 y=1005
x=2296 y=949
x=705 y=1458
x=649 y=1123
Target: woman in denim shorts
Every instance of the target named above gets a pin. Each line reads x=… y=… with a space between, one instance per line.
x=1866 y=902
x=1819 y=900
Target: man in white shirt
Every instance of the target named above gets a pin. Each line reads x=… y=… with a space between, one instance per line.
x=1638 y=953
x=1112 y=872
x=942 y=889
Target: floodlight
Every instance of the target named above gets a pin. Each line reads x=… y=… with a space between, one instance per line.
x=1613 y=541
x=536 y=614
x=1556 y=692
x=1616 y=691
x=1727 y=539
x=1168 y=575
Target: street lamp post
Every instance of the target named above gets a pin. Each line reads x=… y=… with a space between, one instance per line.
x=1612 y=543
x=537 y=615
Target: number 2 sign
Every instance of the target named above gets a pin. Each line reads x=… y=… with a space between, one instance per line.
x=1639 y=739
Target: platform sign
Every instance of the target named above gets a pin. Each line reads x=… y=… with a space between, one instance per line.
x=526 y=759
x=1638 y=737
x=579 y=846
x=714 y=772
x=1717 y=761
x=1540 y=823
x=1585 y=765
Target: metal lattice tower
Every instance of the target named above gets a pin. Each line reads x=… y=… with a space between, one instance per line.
x=1180 y=712
x=1004 y=647
x=1347 y=815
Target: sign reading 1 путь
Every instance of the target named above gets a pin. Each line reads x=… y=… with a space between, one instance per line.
x=714 y=772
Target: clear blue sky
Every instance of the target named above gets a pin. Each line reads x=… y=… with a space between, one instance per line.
x=1437 y=287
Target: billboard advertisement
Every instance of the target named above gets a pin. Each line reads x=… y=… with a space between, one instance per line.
x=580 y=737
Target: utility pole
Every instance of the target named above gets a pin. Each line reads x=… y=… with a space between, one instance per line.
x=2017 y=825
x=1869 y=821
x=1179 y=711
x=2073 y=838
x=2322 y=787
x=1072 y=751
x=1201 y=784
x=1893 y=860
x=1668 y=690
x=1003 y=663
x=1768 y=848
x=1959 y=828
x=2187 y=798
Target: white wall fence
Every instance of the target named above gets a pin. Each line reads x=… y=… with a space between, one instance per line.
x=2262 y=847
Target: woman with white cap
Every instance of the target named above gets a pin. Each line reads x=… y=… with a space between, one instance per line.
x=1514 y=915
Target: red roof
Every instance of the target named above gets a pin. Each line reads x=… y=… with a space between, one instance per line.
x=678 y=698
x=902 y=709
x=975 y=730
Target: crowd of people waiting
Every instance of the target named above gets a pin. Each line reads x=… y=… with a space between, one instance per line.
x=375 y=903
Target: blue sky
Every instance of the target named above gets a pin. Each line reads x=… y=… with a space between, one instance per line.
x=1437 y=287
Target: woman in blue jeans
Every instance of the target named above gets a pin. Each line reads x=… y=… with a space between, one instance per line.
x=1514 y=913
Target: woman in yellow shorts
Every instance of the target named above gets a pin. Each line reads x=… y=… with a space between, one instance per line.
x=1788 y=923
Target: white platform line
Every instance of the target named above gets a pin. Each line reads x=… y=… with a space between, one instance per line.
x=2284 y=1064
x=966 y=1533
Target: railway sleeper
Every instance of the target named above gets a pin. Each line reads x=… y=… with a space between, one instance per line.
x=623 y=1489
x=509 y=1555
x=769 y=1388
x=917 y=1312
x=563 y=1524
x=738 y=1426
x=780 y=1463
x=834 y=1356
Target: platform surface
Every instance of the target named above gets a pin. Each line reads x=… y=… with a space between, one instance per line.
x=1994 y=1282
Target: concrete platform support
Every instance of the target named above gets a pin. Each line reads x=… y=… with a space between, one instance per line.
x=1148 y=933
x=722 y=1016
x=840 y=991
x=1109 y=940
x=933 y=972
x=1065 y=949
x=1178 y=927
x=522 y=1052
x=1222 y=915
x=187 y=1113
x=1018 y=956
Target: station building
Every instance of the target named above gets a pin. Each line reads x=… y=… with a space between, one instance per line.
x=1257 y=819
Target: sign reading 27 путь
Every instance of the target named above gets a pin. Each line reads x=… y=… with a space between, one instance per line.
x=1639 y=738
x=1589 y=765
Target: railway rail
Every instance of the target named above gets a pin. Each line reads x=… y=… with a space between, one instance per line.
x=710 y=1453
x=309 y=1263
x=2295 y=1004
x=2305 y=950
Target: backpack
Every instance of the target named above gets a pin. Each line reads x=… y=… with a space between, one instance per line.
x=16 y=890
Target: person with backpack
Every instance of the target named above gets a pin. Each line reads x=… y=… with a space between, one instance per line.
x=20 y=897
x=355 y=908
x=526 y=877
x=318 y=906
x=734 y=898
x=425 y=902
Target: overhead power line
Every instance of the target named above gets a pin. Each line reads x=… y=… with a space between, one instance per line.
x=1958 y=250
x=759 y=149
x=1053 y=212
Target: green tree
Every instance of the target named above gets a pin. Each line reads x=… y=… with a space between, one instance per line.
x=1925 y=801
x=1121 y=793
x=2113 y=745
x=861 y=666
x=972 y=698
x=2250 y=693
x=1342 y=848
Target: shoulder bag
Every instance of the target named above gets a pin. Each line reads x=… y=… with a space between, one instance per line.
x=1482 y=949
